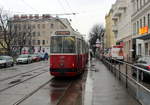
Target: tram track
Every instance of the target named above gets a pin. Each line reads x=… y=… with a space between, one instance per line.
x=21 y=79
x=62 y=98
x=37 y=89
x=11 y=77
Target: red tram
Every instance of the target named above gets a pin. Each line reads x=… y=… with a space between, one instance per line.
x=68 y=54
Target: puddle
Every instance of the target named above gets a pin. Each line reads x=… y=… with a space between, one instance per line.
x=25 y=75
x=15 y=81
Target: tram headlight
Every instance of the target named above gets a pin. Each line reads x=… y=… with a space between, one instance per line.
x=73 y=65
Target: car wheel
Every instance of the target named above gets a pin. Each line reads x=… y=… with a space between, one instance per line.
x=12 y=64
x=6 y=65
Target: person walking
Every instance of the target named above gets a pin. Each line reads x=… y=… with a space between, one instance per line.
x=46 y=56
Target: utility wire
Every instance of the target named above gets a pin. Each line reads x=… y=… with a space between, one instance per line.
x=60 y=3
x=23 y=1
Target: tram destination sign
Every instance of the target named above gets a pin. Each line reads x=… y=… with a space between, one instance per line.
x=62 y=33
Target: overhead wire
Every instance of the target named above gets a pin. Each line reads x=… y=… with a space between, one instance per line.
x=60 y=3
x=27 y=4
x=70 y=8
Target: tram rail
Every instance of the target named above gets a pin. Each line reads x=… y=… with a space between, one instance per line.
x=11 y=77
x=13 y=83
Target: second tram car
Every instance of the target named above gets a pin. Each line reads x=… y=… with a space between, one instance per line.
x=68 y=54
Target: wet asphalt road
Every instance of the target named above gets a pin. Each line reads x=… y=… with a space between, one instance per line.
x=91 y=88
x=42 y=89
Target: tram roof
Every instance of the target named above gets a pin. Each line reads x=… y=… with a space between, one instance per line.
x=72 y=33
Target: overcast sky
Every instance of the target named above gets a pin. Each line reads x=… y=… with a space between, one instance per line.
x=90 y=11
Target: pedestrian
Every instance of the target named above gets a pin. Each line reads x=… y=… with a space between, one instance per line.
x=46 y=56
x=91 y=55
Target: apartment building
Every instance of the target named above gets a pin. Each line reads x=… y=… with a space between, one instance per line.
x=121 y=16
x=41 y=28
x=109 y=38
x=141 y=27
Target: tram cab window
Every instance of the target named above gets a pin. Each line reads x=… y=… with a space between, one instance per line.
x=63 y=44
x=69 y=44
x=56 y=44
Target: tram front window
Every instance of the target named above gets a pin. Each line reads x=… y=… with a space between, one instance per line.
x=62 y=44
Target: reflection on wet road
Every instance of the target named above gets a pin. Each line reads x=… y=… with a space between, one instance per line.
x=62 y=91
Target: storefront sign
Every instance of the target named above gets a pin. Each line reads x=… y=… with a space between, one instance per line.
x=143 y=30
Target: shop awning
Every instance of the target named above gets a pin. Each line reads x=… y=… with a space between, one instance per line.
x=144 y=37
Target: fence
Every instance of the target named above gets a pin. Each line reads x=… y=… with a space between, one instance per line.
x=124 y=72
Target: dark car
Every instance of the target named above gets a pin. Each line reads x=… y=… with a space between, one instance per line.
x=41 y=55
x=143 y=62
x=6 y=61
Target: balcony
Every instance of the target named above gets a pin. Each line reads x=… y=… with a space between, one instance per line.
x=119 y=8
x=114 y=28
x=122 y=5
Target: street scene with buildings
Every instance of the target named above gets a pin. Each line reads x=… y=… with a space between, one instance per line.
x=68 y=58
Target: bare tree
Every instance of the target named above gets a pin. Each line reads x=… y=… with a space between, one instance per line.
x=12 y=38
x=23 y=36
x=97 y=32
x=7 y=36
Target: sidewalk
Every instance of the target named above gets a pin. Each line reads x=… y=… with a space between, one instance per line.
x=107 y=90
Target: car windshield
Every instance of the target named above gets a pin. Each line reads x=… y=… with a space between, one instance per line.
x=2 y=58
x=23 y=56
x=33 y=55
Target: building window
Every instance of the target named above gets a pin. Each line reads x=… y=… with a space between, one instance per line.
x=134 y=28
x=24 y=26
x=139 y=49
x=146 y=48
x=38 y=26
x=148 y=19
x=137 y=3
x=43 y=25
x=140 y=3
x=38 y=42
x=38 y=34
x=140 y=23
x=144 y=21
x=144 y=2
x=33 y=34
x=137 y=27
x=19 y=26
x=34 y=42
x=33 y=26
x=43 y=42
x=52 y=26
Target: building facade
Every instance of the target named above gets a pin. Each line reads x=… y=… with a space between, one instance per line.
x=122 y=11
x=141 y=27
x=42 y=27
x=109 y=38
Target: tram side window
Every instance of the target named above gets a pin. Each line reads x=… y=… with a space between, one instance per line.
x=69 y=44
x=56 y=44
x=78 y=46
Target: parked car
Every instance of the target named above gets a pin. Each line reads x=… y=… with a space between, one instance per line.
x=6 y=61
x=35 y=57
x=41 y=55
x=143 y=62
x=24 y=58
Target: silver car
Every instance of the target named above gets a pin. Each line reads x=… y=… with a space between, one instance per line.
x=24 y=58
x=6 y=61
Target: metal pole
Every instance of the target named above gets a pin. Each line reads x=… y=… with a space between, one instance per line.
x=126 y=76
x=137 y=78
x=119 y=72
